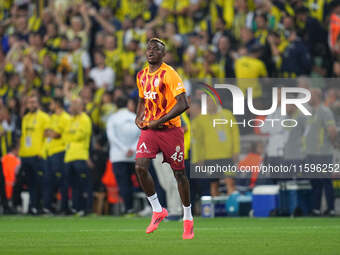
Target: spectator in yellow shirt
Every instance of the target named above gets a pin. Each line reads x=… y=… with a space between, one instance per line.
x=248 y=69
x=219 y=145
x=31 y=151
x=55 y=145
x=78 y=135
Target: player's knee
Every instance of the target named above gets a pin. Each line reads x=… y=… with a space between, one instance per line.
x=141 y=170
x=180 y=176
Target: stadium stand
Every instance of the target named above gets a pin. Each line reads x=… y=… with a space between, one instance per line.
x=93 y=50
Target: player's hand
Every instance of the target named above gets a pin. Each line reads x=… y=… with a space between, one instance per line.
x=90 y=163
x=92 y=12
x=155 y=124
x=47 y=133
x=53 y=134
x=140 y=124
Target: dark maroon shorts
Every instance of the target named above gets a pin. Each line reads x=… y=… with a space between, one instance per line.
x=170 y=141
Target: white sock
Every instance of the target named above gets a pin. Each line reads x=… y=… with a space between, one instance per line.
x=187 y=213
x=156 y=206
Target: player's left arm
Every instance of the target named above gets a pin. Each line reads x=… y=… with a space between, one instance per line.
x=140 y=106
x=140 y=114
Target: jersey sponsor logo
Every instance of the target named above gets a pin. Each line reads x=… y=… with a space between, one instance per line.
x=142 y=148
x=150 y=95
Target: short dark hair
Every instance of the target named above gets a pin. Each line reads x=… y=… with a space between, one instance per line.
x=36 y=34
x=121 y=102
x=256 y=48
x=100 y=52
x=159 y=41
x=59 y=101
x=264 y=16
x=302 y=10
x=155 y=39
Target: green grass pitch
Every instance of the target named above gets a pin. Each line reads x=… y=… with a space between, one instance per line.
x=112 y=235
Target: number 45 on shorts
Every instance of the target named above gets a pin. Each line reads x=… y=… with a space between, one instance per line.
x=178 y=155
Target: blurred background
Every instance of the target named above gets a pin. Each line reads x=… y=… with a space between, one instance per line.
x=92 y=50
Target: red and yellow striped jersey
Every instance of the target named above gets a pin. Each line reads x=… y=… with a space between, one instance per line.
x=159 y=90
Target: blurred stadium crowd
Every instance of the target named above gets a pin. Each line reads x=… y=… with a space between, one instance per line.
x=88 y=52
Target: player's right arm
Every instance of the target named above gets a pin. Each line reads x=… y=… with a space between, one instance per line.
x=140 y=114
x=140 y=106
